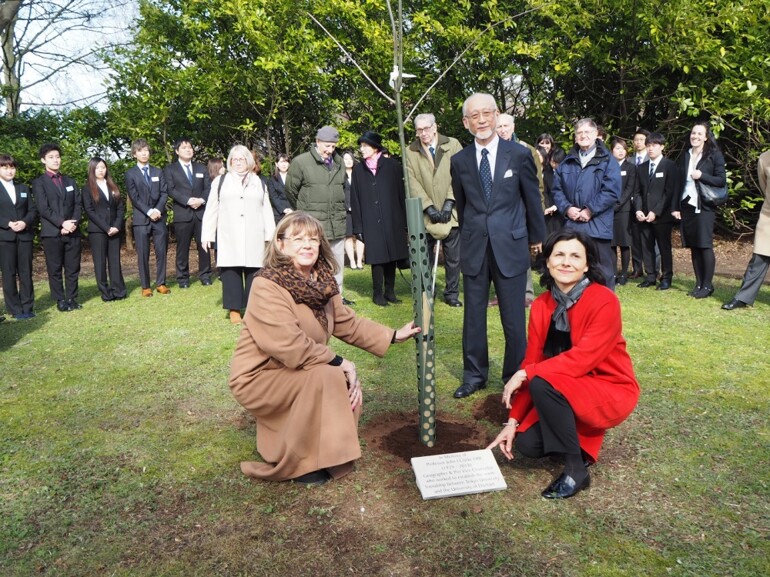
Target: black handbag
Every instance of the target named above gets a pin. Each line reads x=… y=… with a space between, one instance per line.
x=713 y=196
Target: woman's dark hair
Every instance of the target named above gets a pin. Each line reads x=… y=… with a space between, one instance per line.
x=710 y=145
x=279 y=158
x=544 y=154
x=558 y=155
x=592 y=256
x=215 y=164
x=545 y=137
x=615 y=140
x=94 y=187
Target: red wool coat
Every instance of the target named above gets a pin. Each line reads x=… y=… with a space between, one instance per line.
x=595 y=375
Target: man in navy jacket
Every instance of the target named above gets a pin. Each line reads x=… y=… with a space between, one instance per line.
x=586 y=187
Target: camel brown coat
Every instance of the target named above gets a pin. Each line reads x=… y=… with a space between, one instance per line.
x=280 y=373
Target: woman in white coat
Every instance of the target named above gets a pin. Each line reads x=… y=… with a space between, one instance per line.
x=240 y=220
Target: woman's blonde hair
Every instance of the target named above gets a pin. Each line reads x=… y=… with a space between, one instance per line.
x=243 y=151
x=294 y=224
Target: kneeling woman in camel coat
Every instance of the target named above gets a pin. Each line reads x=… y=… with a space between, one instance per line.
x=305 y=398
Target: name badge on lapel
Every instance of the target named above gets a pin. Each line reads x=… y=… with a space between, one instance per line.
x=623 y=173
x=23 y=195
x=659 y=175
x=198 y=175
x=69 y=189
x=155 y=178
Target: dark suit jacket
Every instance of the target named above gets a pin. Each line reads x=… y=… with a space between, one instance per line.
x=145 y=197
x=277 y=191
x=513 y=218
x=24 y=209
x=713 y=173
x=56 y=205
x=629 y=188
x=181 y=191
x=103 y=214
x=656 y=193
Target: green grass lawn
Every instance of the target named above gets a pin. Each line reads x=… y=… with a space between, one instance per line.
x=120 y=447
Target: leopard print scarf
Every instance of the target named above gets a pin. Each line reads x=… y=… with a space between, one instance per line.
x=313 y=293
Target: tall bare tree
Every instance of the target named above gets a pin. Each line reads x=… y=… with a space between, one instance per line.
x=44 y=40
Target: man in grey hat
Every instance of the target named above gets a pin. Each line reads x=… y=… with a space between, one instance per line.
x=315 y=184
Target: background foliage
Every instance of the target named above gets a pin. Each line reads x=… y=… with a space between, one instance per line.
x=265 y=74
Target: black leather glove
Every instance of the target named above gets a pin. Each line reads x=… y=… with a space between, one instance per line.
x=434 y=215
x=446 y=211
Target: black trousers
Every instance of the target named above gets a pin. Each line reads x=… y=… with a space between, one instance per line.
x=16 y=264
x=636 y=245
x=62 y=253
x=451 y=246
x=657 y=234
x=607 y=260
x=106 y=253
x=185 y=232
x=236 y=286
x=510 y=293
x=158 y=232
x=556 y=432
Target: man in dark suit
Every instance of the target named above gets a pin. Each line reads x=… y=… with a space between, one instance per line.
x=188 y=185
x=58 y=201
x=18 y=214
x=147 y=190
x=657 y=178
x=501 y=221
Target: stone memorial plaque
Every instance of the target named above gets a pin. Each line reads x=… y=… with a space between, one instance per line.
x=455 y=474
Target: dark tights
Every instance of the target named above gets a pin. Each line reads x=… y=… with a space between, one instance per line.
x=703 y=263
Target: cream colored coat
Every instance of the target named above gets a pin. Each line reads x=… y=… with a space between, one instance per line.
x=280 y=373
x=762 y=233
x=240 y=220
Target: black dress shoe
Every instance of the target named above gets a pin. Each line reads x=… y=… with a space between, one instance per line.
x=693 y=291
x=107 y=299
x=664 y=285
x=704 y=292
x=646 y=283
x=467 y=389
x=184 y=285
x=74 y=305
x=734 y=304
x=565 y=487
x=453 y=302
x=379 y=300
x=63 y=306
x=347 y=302
x=206 y=282
x=313 y=479
x=392 y=299
x=621 y=279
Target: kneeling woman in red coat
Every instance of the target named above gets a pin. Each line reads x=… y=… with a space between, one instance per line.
x=576 y=380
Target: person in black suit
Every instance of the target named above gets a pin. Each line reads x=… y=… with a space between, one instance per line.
x=58 y=200
x=652 y=207
x=188 y=185
x=146 y=187
x=702 y=164
x=106 y=209
x=18 y=214
x=500 y=221
x=621 y=228
x=276 y=187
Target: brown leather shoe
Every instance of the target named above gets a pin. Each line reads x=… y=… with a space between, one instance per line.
x=162 y=289
x=235 y=317
x=146 y=292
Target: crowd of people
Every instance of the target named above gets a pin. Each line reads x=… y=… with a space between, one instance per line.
x=496 y=208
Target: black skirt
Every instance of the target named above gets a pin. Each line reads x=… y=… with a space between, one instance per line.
x=697 y=229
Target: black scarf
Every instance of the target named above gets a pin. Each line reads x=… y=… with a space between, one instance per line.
x=306 y=291
x=564 y=302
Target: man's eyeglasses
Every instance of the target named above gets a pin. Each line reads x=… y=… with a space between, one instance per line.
x=424 y=129
x=486 y=114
